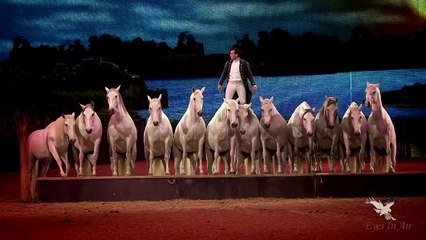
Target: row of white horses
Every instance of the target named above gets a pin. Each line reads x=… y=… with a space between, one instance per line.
x=234 y=134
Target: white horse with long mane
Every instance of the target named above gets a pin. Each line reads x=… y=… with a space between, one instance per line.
x=274 y=136
x=50 y=143
x=158 y=137
x=381 y=132
x=221 y=128
x=89 y=135
x=327 y=132
x=249 y=145
x=190 y=133
x=355 y=132
x=121 y=134
x=302 y=135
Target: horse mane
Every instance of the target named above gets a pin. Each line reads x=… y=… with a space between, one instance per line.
x=222 y=113
x=120 y=99
x=327 y=102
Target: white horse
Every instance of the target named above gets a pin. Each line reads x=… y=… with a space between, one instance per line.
x=190 y=133
x=381 y=132
x=158 y=136
x=355 y=129
x=221 y=128
x=327 y=132
x=89 y=135
x=302 y=135
x=50 y=143
x=249 y=145
x=274 y=136
x=121 y=134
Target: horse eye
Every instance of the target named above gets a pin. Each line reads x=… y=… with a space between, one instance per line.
x=93 y=114
x=193 y=99
x=116 y=96
x=66 y=124
x=352 y=118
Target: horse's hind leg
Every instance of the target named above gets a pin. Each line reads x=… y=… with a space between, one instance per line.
x=45 y=167
x=177 y=157
x=34 y=174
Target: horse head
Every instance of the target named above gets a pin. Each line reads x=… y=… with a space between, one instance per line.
x=372 y=94
x=114 y=99
x=330 y=111
x=245 y=115
x=196 y=101
x=88 y=116
x=155 y=109
x=267 y=108
x=232 y=112
x=356 y=117
x=69 y=127
x=308 y=121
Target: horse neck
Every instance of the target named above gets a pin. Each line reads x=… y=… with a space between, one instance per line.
x=191 y=110
x=377 y=106
x=121 y=108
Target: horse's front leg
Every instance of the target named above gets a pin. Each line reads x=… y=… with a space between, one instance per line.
x=93 y=158
x=265 y=156
x=200 y=154
x=279 y=157
x=233 y=153
x=167 y=147
x=54 y=152
x=67 y=163
x=372 y=152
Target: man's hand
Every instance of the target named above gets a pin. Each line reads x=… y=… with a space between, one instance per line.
x=254 y=88
x=219 y=87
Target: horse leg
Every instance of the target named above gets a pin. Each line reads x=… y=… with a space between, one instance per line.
x=233 y=153
x=34 y=174
x=168 y=145
x=45 y=167
x=113 y=159
x=209 y=158
x=57 y=158
x=393 y=158
x=177 y=156
x=240 y=160
x=257 y=160
x=93 y=158
x=200 y=154
x=278 y=158
x=266 y=159
x=226 y=160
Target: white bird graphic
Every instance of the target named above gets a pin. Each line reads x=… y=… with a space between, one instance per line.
x=382 y=209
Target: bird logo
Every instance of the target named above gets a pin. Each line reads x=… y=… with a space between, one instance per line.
x=382 y=210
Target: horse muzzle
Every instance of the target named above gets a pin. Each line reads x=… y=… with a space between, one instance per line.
x=89 y=130
x=155 y=123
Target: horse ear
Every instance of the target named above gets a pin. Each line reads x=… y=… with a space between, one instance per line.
x=149 y=98
x=63 y=116
x=82 y=106
x=73 y=114
x=193 y=89
x=92 y=104
x=249 y=105
x=260 y=98
x=159 y=97
x=313 y=109
x=203 y=89
x=336 y=99
x=272 y=99
x=118 y=88
x=360 y=107
x=106 y=89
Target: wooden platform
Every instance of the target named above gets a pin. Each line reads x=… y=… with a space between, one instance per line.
x=75 y=189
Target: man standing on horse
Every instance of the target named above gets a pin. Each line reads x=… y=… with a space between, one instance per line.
x=238 y=73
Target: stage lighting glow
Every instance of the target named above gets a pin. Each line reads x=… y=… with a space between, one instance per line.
x=419 y=6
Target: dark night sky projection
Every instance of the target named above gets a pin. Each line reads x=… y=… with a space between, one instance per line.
x=215 y=23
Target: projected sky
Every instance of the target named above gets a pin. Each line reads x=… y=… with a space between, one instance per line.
x=215 y=23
